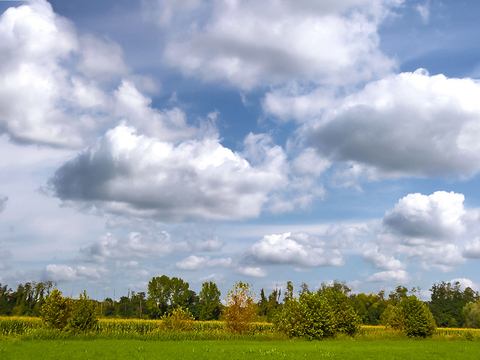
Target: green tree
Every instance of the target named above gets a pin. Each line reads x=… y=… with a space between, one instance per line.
x=288 y=294
x=309 y=317
x=159 y=292
x=447 y=303
x=57 y=310
x=209 y=305
x=471 y=315
x=411 y=316
x=345 y=318
x=84 y=315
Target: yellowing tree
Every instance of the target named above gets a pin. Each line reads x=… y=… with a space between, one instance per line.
x=241 y=308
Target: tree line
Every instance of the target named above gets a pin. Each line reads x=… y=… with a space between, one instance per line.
x=449 y=305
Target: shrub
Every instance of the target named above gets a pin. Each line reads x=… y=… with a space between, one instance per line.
x=241 y=308
x=57 y=310
x=178 y=320
x=411 y=316
x=346 y=319
x=316 y=316
x=84 y=317
x=309 y=317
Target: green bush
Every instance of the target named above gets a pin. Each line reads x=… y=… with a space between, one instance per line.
x=57 y=310
x=66 y=314
x=316 y=316
x=178 y=320
x=84 y=317
x=411 y=316
x=346 y=319
x=309 y=317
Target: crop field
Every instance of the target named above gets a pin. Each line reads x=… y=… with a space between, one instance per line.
x=238 y=349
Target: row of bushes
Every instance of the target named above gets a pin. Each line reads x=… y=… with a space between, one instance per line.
x=313 y=316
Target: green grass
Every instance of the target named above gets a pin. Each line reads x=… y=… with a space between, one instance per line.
x=238 y=349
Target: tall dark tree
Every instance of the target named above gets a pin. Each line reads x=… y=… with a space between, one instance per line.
x=447 y=303
x=209 y=306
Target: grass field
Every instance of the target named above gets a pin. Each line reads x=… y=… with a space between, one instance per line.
x=238 y=349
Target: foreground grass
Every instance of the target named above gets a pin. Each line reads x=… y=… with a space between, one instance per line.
x=237 y=349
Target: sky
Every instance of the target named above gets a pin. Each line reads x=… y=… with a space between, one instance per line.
x=238 y=140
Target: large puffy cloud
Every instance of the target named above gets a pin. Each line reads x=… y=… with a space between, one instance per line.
x=410 y=124
x=136 y=175
x=436 y=229
x=437 y=216
x=251 y=42
x=168 y=125
x=301 y=250
x=43 y=99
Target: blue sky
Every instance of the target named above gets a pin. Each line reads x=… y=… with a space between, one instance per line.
x=264 y=142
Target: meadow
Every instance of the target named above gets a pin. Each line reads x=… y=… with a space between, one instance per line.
x=25 y=337
x=239 y=349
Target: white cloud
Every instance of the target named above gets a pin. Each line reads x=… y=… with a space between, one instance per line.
x=382 y=261
x=166 y=125
x=136 y=175
x=430 y=230
x=420 y=217
x=424 y=11
x=198 y=262
x=464 y=283
x=135 y=245
x=61 y=273
x=252 y=271
x=309 y=162
x=410 y=124
x=41 y=99
x=101 y=59
x=216 y=278
x=398 y=276
x=472 y=249
x=251 y=43
x=301 y=250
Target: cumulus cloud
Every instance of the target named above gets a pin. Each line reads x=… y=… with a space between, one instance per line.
x=198 y=262
x=437 y=216
x=434 y=229
x=301 y=250
x=62 y=273
x=135 y=245
x=398 y=276
x=472 y=249
x=250 y=43
x=216 y=278
x=101 y=59
x=252 y=271
x=42 y=98
x=166 y=125
x=382 y=261
x=464 y=283
x=410 y=124
x=132 y=174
